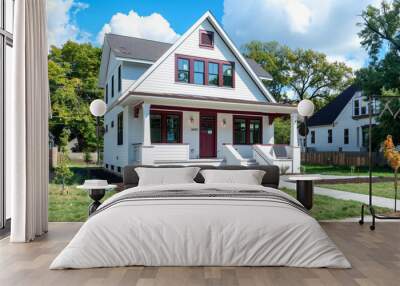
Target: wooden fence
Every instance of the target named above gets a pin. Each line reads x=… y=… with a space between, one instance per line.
x=357 y=159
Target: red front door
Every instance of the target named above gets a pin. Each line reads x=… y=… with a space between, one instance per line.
x=208 y=145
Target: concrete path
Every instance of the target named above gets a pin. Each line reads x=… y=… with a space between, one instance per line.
x=337 y=177
x=376 y=201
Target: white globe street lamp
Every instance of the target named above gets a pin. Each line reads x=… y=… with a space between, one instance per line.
x=306 y=109
x=98 y=108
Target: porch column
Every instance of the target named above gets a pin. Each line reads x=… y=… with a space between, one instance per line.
x=146 y=124
x=293 y=130
x=269 y=131
x=294 y=143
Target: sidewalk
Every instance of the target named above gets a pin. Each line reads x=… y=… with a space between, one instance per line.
x=376 y=201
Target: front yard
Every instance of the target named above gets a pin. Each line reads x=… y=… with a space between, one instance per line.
x=346 y=170
x=381 y=189
x=72 y=205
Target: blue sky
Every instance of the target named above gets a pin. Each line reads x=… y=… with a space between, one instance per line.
x=328 y=26
x=179 y=13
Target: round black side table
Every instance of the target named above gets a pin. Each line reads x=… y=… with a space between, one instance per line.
x=96 y=195
x=305 y=189
x=96 y=190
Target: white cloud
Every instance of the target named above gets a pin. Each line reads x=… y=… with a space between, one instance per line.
x=328 y=26
x=61 y=23
x=153 y=27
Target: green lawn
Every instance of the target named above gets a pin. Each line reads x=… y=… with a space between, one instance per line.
x=326 y=208
x=383 y=189
x=73 y=205
x=346 y=170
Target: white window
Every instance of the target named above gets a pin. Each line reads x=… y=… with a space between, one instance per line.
x=356 y=107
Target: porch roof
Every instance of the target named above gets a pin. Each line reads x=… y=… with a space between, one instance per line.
x=210 y=102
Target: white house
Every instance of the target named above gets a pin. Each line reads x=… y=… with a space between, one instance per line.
x=197 y=101
x=342 y=125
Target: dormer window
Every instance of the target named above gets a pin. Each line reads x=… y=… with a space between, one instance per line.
x=206 y=39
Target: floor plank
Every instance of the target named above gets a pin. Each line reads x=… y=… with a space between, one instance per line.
x=375 y=257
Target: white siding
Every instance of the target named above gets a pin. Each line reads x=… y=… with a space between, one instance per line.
x=112 y=71
x=162 y=79
x=114 y=154
x=343 y=121
x=131 y=72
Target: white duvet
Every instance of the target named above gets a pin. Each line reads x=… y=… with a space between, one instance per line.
x=200 y=231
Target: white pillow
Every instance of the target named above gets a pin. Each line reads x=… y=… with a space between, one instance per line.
x=248 y=177
x=166 y=176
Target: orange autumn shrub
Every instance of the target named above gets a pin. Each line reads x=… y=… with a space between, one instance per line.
x=391 y=154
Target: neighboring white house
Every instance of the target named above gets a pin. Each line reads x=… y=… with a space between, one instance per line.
x=197 y=101
x=342 y=125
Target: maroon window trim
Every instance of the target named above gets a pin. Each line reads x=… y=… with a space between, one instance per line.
x=163 y=115
x=206 y=61
x=232 y=64
x=206 y=45
x=182 y=57
x=247 y=119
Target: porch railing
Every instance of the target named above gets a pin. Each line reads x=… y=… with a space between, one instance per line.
x=159 y=153
x=286 y=157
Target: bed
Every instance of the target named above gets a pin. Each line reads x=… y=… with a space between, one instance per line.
x=198 y=224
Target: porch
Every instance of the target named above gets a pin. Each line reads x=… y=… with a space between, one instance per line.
x=283 y=156
x=189 y=132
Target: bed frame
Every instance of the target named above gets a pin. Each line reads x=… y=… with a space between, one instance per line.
x=270 y=179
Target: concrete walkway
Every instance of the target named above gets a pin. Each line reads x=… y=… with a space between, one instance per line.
x=376 y=201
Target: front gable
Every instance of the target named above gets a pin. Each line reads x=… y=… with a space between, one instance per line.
x=162 y=77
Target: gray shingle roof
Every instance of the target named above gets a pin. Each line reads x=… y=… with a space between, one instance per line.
x=328 y=114
x=136 y=48
x=258 y=69
x=148 y=50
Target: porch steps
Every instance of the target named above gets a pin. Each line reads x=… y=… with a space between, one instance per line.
x=249 y=162
x=212 y=162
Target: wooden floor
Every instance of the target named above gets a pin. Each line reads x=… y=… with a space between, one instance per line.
x=375 y=257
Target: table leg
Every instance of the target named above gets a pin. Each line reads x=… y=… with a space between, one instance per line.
x=96 y=196
x=305 y=190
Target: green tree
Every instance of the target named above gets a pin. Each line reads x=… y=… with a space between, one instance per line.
x=312 y=76
x=305 y=72
x=273 y=58
x=63 y=174
x=381 y=27
x=73 y=79
x=282 y=130
x=380 y=36
x=87 y=157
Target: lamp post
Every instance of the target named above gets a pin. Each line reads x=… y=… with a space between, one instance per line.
x=98 y=108
x=305 y=109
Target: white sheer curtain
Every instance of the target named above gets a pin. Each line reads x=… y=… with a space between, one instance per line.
x=28 y=127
